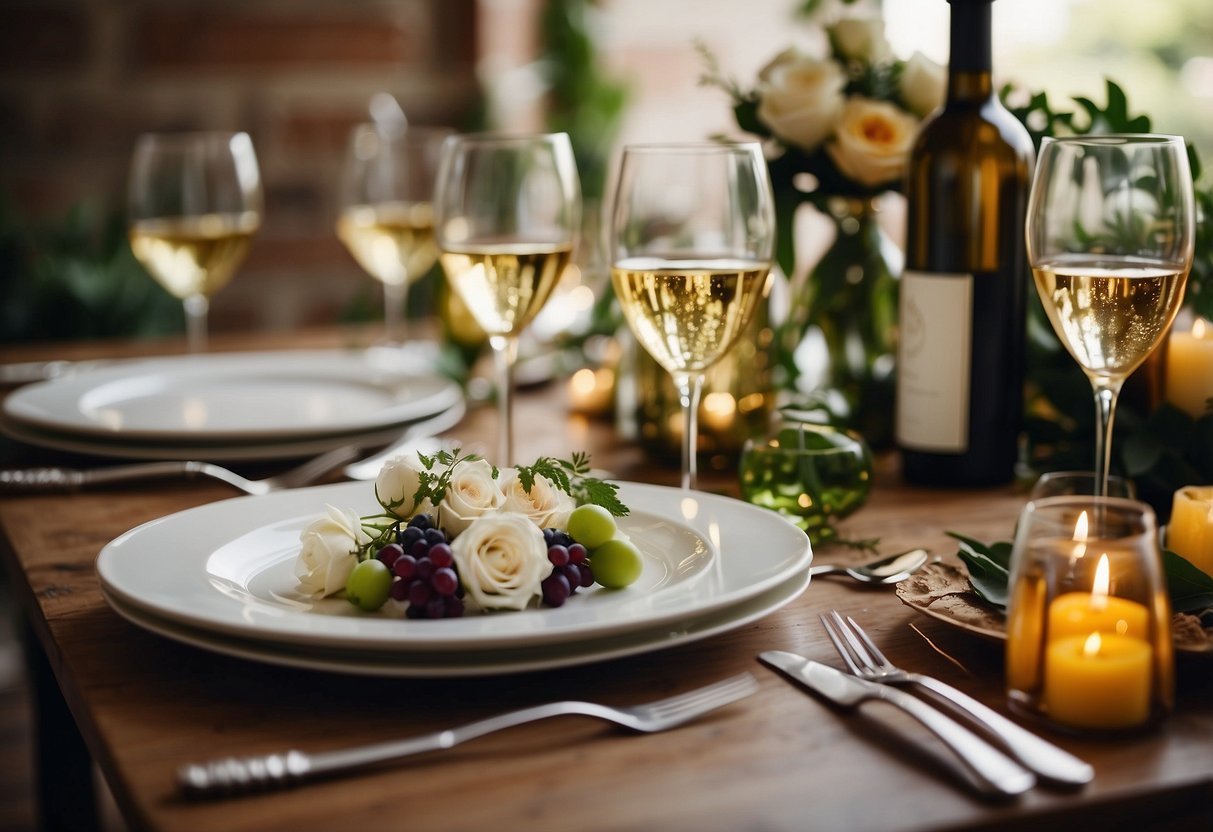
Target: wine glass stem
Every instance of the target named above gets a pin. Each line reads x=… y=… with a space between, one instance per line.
x=1106 y=393
x=690 y=387
x=505 y=352
x=196 y=308
x=395 y=295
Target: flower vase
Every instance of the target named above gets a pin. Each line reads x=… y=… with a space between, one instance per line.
x=840 y=329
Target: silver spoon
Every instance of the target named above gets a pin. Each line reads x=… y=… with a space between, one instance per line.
x=887 y=570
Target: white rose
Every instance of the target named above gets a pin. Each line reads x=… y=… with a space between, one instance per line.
x=501 y=560
x=872 y=142
x=860 y=39
x=397 y=484
x=801 y=98
x=472 y=493
x=923 y=83
x=329 y=552
x=545 y=504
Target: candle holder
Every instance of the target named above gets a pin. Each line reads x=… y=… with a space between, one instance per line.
x=1088 y=623
x=811 y=474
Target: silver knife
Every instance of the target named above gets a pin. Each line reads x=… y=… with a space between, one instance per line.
x=989 y=770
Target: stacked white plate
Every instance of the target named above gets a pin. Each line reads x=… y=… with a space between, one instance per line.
x=231 y=406
x=221 y=577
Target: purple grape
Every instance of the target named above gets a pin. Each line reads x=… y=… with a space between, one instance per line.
x=577 y=553
x=435 y=607
x=558 y=555
x=587 y=574
x=556 y=589
x=572 y=574
x=440 y=554
x=419 y=549
x=434 y=537
x=409 y=535
x=419 y=593
x=399 y=590
x=389 y=553
x=422 y=522
x=454 y=607
x=405 y=566
x=425 y=568
x=444 y=581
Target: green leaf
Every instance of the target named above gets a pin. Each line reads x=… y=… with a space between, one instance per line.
x=1189 y=587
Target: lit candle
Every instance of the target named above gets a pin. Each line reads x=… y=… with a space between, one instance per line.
x=1189 y=377
x=592 y=391
x=1099 y=681
x=1190 y=533
x=1083 y=613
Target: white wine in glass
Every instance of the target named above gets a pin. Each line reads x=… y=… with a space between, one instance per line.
x=692 y=236
x=507 y=210
x=387 y=216
x=1110 y=235
x=195 y=203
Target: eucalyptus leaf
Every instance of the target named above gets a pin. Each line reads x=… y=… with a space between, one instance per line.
x=1189 y=587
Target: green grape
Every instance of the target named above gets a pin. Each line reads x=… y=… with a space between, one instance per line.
x=591 y=525
x=368 y=584
x=616 y=563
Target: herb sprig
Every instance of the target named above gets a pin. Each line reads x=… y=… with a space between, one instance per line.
x=572 y=476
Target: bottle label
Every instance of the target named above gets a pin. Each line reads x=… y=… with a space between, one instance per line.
x=933 y=354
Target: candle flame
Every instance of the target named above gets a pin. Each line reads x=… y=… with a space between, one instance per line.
x=1091 y=647
x=1198 y=328
x=1099 y=591
x=1080 y=535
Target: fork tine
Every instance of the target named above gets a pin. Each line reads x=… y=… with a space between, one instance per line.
x=705 y=698
x=858 y=650
x=840 y=645
x=873 y=650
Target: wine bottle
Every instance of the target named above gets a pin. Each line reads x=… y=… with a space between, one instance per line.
x=962 y=310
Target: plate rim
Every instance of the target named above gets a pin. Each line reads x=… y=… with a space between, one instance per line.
x=29 y=406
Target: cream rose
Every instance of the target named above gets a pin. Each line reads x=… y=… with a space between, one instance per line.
x=872 y=141
x=329 y=552
x=545 y=504
x=397 y=484
x=923 y=83
x=860 y=39
x=501 y=560
x=801 y=98
x=472 y=493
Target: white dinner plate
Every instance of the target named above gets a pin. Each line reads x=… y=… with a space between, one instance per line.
x=228 y=568
x=430 y=664
x=227 y=397
x=232 y=451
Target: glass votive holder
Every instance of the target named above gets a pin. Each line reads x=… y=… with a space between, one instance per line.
x=1065 y=483
x=811 y=474
x=1088 y=623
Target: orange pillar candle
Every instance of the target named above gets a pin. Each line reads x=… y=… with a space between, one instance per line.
x=1099 y=681
x=1190 y=534
x=1083 y=613
x=1189 y=377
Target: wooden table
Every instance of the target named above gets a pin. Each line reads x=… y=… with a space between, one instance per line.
x=780 y=759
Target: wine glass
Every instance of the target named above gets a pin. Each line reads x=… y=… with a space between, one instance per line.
x=386 y=215
x=507 y=210
x=1110 y=233
x=691 y=241
x=194 y=204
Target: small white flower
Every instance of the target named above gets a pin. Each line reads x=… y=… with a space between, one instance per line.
x=923 y=84
x=329 y=552
x=397 y=484
x=801 y=98
x=860 y=39
x=501 y=560
x=473 y=492
x=872 y=142
x=545 y=504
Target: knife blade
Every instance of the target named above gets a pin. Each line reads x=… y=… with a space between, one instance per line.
x=986 y=768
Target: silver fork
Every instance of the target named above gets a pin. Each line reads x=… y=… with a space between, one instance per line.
x=72 y=479
x=866 y=660
x=233 y=775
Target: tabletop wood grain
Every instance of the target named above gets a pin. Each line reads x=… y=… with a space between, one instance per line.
x=779 y=760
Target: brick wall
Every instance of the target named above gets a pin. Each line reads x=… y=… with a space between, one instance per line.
x=81 y=79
